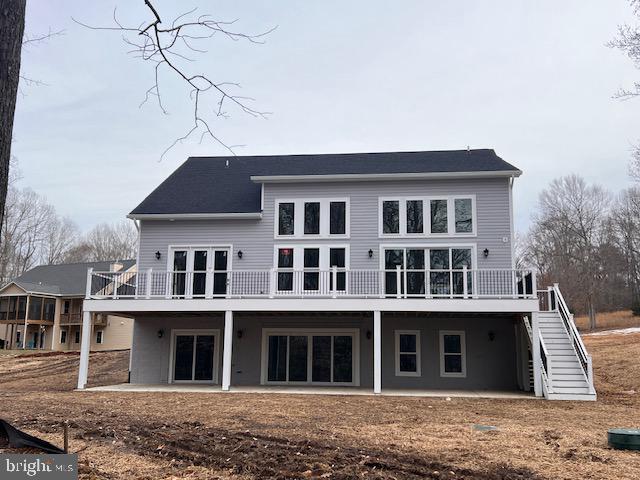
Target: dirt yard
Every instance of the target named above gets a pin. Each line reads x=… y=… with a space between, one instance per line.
x=203 y=436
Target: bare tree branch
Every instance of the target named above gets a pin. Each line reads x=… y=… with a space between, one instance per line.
x=169 y=44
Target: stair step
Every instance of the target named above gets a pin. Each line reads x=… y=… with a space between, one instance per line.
x=574 y=391
x=561 y=377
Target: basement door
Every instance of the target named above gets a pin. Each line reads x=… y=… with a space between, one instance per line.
x=194 y=356
x=310 y=357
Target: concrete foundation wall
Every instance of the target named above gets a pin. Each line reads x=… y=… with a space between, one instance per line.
x=490 y=363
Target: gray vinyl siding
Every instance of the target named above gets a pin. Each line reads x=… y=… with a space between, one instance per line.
x=491 y=364
x=256 y=237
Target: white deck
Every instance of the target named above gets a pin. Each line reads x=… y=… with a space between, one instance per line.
x=193 y=388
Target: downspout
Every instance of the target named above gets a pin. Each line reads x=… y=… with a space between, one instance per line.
x=511 y=226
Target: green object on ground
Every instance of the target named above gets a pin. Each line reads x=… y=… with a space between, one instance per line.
x=624 y=438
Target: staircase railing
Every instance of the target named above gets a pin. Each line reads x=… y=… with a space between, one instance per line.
x=574 y=335
x=545 y=370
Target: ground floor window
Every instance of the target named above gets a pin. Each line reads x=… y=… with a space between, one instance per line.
x=310 y=356
x=407 y=353
x=77 y=339
x=99 y=337
x=17 y=337
x=194 y=356
x=63 y=336
x=452 y=354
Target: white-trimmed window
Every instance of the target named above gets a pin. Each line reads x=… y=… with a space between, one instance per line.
x=441 y=216
x=309 y=268
x=63 y=336
x=407 y=353
x=99 y=337
x=312 y=218
x=453 y=361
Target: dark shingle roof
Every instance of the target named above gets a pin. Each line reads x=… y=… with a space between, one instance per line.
x=205 y=185
x=67 y=279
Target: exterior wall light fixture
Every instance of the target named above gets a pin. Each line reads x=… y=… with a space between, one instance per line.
x=486 y=252
x=158 y=255
x=239 y=253
x=370 y=253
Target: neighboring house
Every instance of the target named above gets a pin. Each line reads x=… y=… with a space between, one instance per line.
x=382 y=271
x=42 y=309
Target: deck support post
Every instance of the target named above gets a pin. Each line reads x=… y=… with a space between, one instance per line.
x=227 y=350
x=535 y=352
x=85 y=345
x=377 y=352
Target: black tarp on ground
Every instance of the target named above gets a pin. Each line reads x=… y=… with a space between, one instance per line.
x=20 y=439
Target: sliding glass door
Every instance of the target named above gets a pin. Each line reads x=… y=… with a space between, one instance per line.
x=194 y=356
x=199 y=272
x=305 y=357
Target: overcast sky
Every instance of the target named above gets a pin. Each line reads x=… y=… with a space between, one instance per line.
x=532 y=80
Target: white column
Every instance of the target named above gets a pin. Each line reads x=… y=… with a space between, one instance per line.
x=377 y=352
x=26 y=316
x=83 y=371
x=227 y=350
x=535 y=352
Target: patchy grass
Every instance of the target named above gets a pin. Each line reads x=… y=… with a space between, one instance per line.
x=217 y=435
x=609 y=321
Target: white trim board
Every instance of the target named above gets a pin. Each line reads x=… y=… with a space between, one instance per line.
x=467 y=305
x=380 y=176
x=463 y=353
x=195 y=216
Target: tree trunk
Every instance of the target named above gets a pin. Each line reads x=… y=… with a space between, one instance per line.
x=592 y=313
x=11 y=30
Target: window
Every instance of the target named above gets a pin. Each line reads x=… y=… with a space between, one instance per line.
x=452 y=354
x=311 y=262
x=35 y=308
x=63 y=336
x=49 y=309
x=463 y=215
x=338 y=217
x=286 y=213
x=391 y=216
x=66 y=308
x=309 y=268
x=436 y=271
x=407 y=353
x=439 y=216
x=77 y=339
x=427 y=216
x=321 y=218
x=99 y=337
x=414 y=216
x=18 y=337
x=312 y=218
x=285 y=261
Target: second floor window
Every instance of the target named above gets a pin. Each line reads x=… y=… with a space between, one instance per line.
x=428 y=216
x=321 y=218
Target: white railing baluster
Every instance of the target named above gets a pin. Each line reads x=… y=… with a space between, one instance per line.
x=398 y=282
x=149 y=281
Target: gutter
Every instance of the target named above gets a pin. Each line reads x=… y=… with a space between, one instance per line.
x=359 y=177
x=195 y=216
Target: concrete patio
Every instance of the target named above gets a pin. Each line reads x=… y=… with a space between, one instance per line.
x=195 y=388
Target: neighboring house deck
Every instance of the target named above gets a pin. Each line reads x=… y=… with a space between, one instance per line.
x=42 y=309
x=390 y=270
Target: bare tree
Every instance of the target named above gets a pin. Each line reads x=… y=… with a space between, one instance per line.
x=628 y=41
x=105 y=241
x=169 y=46
x=567 y=237
x=60 y=236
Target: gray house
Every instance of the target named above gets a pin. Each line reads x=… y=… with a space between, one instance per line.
x=379 y=271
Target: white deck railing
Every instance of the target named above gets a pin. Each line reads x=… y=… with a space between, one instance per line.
x=337 y=282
